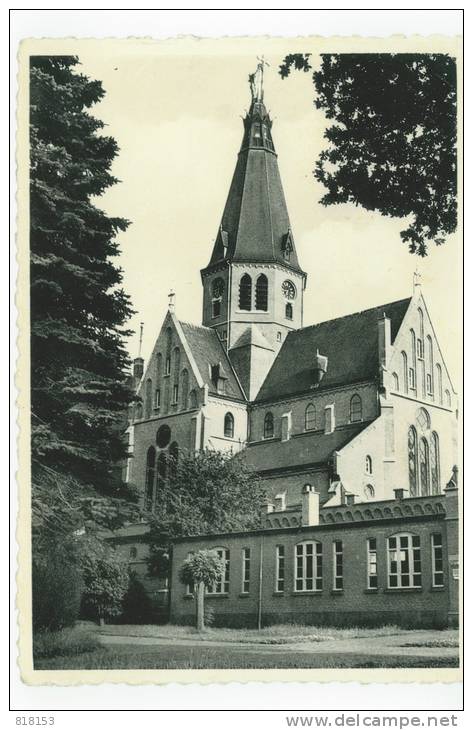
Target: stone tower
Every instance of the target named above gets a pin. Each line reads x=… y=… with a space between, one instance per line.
x=253 y=284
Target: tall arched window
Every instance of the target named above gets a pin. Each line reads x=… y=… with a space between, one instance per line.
x=192 y=399
x=448 y=398
x=439 y=383
x=269 y=426
x=184 y=388
x=262 y=293
x=173 y=459
x=162 y=475
x=228 y=426
x=412 y=461
x=424 y=466
x=420 y=341
x=430 y=366
x=368 y=464
x=310 y=417
x=396 y=382
x=356 y=413
x=159 y=366
x=218 y=287
x=289 y=313
x=138 y=411
x=434 y=463
x=148 y=397
x=149 y=485
x=412 y=367
x=245 y=292
x=176 y=355
x=405 y=381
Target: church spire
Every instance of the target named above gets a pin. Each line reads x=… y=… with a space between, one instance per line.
x=255 y=225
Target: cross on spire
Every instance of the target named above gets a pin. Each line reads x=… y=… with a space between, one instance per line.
x=416 y=280
x=171 y=297
x=256 y=80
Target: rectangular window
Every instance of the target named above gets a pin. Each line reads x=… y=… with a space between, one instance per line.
x=429 y=384
x=280 y=568
x=372 y=562
x=412 y=380
x=338 y=565
x=404 y=568
x=223 y=585
x=189 y=586
x=216 y=307
x=308 y=564
x=175 y=394
x=167 y=366
x=245 y=570
x=437 y=561
x=420 y=348
x=157 y=398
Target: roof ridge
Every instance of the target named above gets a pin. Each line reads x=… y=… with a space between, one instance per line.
x=197 y=326
x=352 y=314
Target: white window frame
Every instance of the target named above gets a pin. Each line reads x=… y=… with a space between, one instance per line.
x=280 y=563
x=371 y=559
x=436 y=549
x=175 y=394
x=337 y=566
x=221 y=587
x=245 y=570
x=414 y=577
x=304 y=583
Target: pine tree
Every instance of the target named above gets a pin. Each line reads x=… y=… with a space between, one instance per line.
x=79 y=391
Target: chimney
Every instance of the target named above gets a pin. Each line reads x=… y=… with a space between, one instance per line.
x=349 y=500
x=138 y=368
x=384 y=341
x=310 y=506
x=321 y=362
x=286 y=426
x=329 y=418
x=399 y=493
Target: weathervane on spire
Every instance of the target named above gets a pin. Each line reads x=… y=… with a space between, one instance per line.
x=256 y=80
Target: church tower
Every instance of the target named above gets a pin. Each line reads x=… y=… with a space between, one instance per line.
x=253 y=284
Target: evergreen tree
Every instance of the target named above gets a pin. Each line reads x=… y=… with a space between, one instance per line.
x=392 y=145
x=79 y=391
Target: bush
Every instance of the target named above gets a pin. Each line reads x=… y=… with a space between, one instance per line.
x=106 y=579
x=57 y=587
x=137 y=608
x=68 y=642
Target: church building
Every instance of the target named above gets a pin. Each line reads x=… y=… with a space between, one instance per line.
x=342 y=419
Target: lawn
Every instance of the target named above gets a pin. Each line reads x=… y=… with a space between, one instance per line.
x=184 y=657
x=276 y=634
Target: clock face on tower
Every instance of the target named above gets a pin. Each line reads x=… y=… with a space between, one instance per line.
x=217 y=288
x=289 y=290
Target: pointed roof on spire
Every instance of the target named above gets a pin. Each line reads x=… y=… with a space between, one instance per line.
x=255 y=225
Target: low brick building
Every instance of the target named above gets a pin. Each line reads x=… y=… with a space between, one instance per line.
x=394 y=561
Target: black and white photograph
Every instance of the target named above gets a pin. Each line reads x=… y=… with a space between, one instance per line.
x=240 y=296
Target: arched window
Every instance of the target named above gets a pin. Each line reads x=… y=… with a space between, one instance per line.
x=369 y=491
x=173 y=459
x=223 y=584
x=424 y=467
x=262 y=293
x=420 y=341
x=184 y=388
x=138 y=411
x=430 y=366
x=368 y=464
x=192 y=399
x=176 y=362
x=228 y=426
x=404 y=561
x=162 y=475
x=163 y=436
x=159 y=366
x=434 y=463
x=412 y=368
x=356 y=413
x=269 y=426
x=245 y=292
x=422 y=419
x=448 y=398
x=310 y=417
x=148 y=397
x=412 y=461
x=439 y=382
x=308 y=566
x=149 y=485
x=289 y=313
x=157 y=398
x=404 y=372
x=396 y=382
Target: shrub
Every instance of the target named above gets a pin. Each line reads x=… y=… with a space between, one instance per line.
x=57 y=586
x=67 y=642
x=137 y=607
x=106 y=581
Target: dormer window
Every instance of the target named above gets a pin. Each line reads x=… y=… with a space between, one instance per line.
x=287 y=245
x=218 y=377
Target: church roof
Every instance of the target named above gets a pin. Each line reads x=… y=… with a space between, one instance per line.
x=310 y=448
x=350 y=343
x=255 y=223
x=207 y=350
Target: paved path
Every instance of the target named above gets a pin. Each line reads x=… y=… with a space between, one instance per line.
x=373 y=645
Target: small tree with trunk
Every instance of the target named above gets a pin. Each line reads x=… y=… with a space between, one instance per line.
x=201 y=570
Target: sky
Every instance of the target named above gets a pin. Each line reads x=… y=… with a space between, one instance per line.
x=175 y=110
